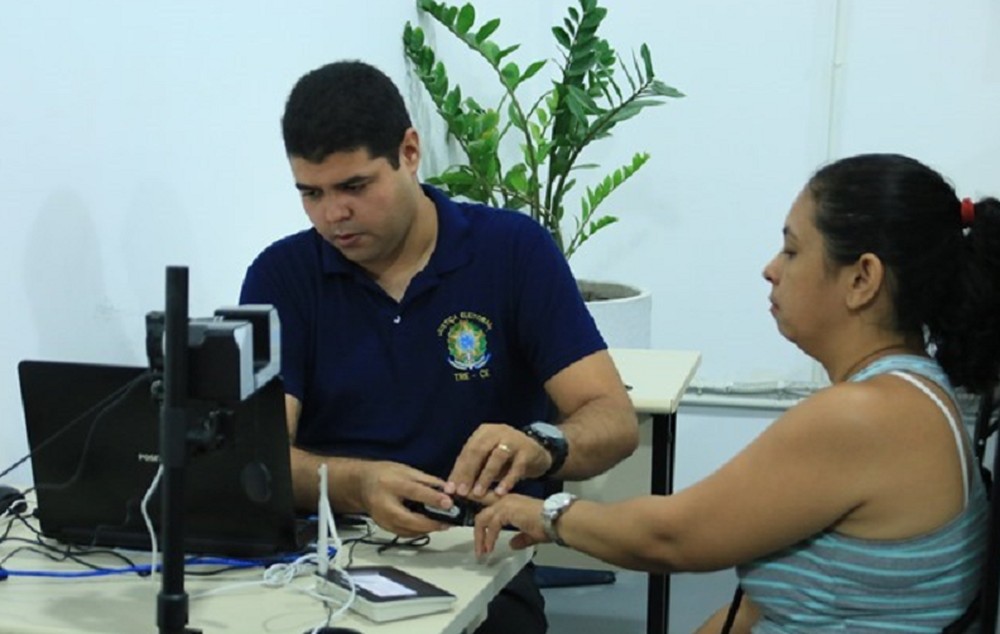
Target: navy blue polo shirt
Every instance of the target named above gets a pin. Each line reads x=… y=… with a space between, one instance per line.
x=494 y=314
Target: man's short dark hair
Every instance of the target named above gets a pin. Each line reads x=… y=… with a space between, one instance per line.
x=342 y=107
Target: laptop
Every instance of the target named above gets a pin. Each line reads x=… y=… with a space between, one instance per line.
x=93 y=431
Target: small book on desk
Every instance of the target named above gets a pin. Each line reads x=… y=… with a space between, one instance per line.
x=385 y=593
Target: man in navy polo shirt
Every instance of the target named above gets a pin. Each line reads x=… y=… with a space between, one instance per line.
x=422 y=339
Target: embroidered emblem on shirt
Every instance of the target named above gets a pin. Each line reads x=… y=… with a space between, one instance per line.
x=468 y=345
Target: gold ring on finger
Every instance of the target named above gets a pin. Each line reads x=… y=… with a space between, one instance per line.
x=504 y=447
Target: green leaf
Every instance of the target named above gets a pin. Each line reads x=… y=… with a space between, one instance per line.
x=592 y=19
x=452 y=101
x=510 y=75
x=490 y=120
x=507 y=51
x=660 y=89
x=585 y=101
x=646 y=60
x=536 y=131
x=532 y=70
x=600 y=223
x=515 y=117
x=466 y=17
x=561 y=36
x=460 y=177
x=491 y=52
x=517 y=179
x=487 y=30
x=543 y=116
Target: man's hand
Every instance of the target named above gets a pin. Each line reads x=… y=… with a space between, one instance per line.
x=522 y=512
x=496 y=453
x=384 y=487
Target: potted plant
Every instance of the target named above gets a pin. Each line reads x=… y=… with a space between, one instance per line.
x=593 y=90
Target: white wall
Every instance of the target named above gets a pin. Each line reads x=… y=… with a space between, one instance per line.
x=136 y=135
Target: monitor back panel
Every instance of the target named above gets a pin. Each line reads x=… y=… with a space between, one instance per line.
x=94 y=435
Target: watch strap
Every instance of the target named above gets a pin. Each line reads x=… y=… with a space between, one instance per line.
x=557 y=453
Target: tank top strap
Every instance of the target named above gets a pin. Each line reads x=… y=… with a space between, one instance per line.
x=904 y=366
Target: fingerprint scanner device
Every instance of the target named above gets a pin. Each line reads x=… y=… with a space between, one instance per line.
x=386 y=593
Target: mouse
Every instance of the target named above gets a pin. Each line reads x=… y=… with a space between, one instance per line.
x=332 y=629
x=11 y=499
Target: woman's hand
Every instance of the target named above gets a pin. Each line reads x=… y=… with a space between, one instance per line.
x=522 y=512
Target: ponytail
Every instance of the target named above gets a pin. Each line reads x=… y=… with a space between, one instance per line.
x=965 y=338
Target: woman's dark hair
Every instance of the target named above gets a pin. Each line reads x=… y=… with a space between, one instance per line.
x=342 y=107
x=944 y=278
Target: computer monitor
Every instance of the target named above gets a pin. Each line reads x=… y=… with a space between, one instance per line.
x=91 y=472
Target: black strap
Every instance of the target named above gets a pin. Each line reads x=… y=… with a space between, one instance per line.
x=734 y=607
x=965 y=621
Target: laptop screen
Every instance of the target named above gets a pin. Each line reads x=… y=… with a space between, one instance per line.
x=94 y=435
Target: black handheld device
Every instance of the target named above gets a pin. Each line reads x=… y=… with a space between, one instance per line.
x=462 y=512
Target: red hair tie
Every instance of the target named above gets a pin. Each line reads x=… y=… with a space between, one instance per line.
x=968 y=210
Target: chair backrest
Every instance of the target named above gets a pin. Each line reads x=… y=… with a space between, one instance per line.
x=986 y=426
x=984 y=609
x=985 y=606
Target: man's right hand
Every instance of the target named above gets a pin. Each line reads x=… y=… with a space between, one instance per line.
x=384 y=487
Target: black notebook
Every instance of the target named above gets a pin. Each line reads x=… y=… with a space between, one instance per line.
x=92 y=474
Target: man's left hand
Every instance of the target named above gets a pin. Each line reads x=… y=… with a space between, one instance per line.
x=496 y=453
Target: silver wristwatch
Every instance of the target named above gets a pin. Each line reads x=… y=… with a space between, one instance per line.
x=554 y=506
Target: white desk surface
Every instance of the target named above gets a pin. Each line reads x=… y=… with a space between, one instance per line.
x=657 y=378
x=126 y=604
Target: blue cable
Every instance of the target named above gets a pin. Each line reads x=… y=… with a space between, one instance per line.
x=147 y=569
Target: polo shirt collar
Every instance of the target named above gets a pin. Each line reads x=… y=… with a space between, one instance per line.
x=453 y=248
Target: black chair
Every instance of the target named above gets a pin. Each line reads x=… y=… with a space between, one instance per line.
x=984 y=609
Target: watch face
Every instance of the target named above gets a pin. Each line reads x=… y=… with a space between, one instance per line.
x=547 y=429
x=557 y=501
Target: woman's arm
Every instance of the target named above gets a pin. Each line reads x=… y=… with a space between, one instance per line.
x=805 y=472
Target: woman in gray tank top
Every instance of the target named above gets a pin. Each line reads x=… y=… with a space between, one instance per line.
x=859 y=509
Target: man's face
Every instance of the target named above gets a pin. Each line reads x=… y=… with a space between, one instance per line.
x=360 y=205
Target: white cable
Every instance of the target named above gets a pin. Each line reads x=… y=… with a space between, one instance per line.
x=327 y=527
x=282 y=575
x=149 y=522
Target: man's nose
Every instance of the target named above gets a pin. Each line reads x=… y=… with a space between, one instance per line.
x=335 y=209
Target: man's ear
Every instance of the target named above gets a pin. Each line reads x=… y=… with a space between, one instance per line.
x=409 y=151
x=866 y=279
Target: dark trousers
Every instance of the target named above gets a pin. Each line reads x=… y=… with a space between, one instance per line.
x=518 y=609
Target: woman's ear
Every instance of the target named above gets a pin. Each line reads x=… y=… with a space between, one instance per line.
x=866 y=279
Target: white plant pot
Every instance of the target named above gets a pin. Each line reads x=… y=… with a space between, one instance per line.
x=623 y=313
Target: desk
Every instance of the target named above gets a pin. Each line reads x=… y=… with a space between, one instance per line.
x=126 y=604
x=657 y=380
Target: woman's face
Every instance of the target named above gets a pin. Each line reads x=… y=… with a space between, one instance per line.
x=805 y=295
